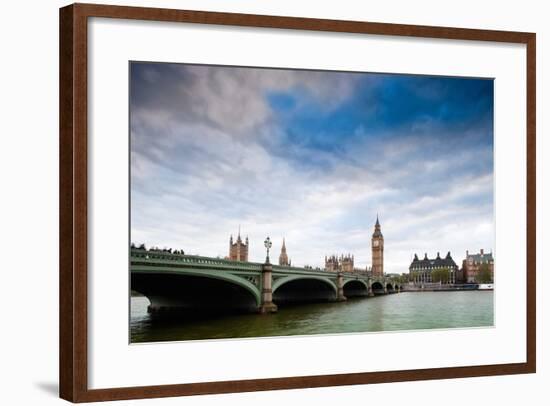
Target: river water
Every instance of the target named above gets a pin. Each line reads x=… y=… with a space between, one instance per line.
x=402 y=311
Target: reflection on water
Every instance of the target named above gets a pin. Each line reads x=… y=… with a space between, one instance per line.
x=403 y=311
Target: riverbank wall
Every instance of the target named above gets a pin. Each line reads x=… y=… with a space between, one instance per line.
x=437 y=287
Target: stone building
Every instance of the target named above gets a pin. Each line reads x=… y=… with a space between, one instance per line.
x=472 y=265
x=283 y=257
x=238 y=250
x=343 y=263
x=420 y=270
x=377 y=244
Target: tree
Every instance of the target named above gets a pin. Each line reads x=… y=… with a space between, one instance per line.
x=400 y=279
x=484 y=274
x=440 y=275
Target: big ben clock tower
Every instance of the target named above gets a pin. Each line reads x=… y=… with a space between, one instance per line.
x=377 y=250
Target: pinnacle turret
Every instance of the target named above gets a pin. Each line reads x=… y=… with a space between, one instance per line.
x=238 y=251
x=283 y=257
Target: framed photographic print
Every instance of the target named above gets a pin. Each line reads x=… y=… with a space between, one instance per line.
x=242 y=191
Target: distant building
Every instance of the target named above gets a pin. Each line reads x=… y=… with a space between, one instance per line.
x=238 y=251
x=420 y=270
x=283 y=257
x=474 y=263
x=343 y=263
x=377 y=245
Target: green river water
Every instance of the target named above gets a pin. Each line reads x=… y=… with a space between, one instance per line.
x=402 y=311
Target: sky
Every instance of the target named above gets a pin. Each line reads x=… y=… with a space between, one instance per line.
x=312 y=157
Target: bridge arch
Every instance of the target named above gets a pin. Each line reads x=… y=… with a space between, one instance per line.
x=303 y=288
x=192 y=288
x=377 y=288
x=281 y=281
x=355 y=288
x=390 y=288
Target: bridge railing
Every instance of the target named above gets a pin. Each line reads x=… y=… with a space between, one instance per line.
x=140 y=255
x=285 y=268
x=137 y=255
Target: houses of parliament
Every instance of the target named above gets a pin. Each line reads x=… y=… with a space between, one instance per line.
x=238 y=251
x=346 y=263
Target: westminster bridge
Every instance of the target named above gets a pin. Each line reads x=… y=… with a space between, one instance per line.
x=188 y=282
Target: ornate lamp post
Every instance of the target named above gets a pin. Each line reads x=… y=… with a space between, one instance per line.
x=267 y=305
x=267 y=245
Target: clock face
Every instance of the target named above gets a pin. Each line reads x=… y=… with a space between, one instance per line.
x=375 y=243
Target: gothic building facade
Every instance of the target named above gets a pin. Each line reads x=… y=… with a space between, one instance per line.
x=238 y=250
x=342 y=263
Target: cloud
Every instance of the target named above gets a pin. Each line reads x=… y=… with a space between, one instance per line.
x=230 y=99
x=312 y=157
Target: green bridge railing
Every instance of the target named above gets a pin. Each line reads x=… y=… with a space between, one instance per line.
x=137 y=255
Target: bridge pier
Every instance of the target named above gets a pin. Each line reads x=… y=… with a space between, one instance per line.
x=267 y=305
x=340 y=285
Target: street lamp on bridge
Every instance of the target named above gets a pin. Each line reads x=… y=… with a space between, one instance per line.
x=267 y=245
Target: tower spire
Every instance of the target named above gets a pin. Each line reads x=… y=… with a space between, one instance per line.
x=377 y=230
x=283 y=257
